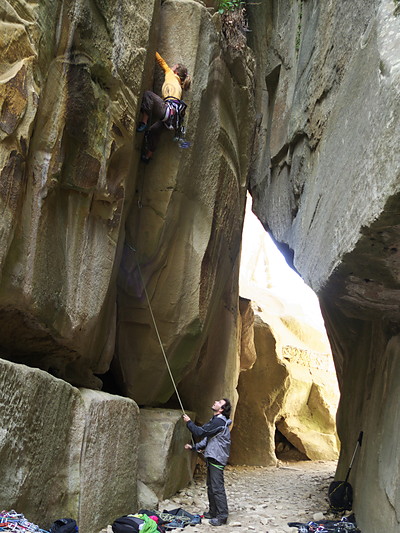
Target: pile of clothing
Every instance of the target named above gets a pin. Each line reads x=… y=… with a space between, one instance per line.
x=345 y=525
x=178 y=518
x=16 y=522
x=152 y=521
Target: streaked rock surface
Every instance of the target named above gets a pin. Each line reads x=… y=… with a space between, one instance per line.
x=326 y=183
x=65 y=451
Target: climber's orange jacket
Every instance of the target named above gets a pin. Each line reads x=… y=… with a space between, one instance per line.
x=172 y=83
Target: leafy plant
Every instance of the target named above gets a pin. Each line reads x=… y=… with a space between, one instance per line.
x=298 y=32
x=228 y=5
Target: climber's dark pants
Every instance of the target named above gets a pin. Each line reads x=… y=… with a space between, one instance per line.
x=153 y=135
x=216 y=492
x=155 y=107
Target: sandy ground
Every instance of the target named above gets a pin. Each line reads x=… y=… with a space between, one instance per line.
x=263 y=499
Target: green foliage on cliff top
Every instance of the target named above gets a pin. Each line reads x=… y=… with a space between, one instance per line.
x=228 y=5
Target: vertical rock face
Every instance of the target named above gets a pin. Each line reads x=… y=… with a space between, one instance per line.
x=71 y=75
x=326 y=182
x=65 y=451
x=71 y=87
x=187 y=231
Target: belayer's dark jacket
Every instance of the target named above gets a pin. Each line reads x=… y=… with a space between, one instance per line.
x=215 y=438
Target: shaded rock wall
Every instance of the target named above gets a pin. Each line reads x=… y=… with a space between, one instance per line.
x=65 y=451
x=326 y=182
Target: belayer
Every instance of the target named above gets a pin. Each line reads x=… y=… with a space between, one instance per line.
x=167 y=111
x=215 y=443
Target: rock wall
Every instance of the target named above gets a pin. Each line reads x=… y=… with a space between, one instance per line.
x=71 y=78
x=87 y=230
x=187 y=228
x=73 y=184
x=65 y=451
x=326 y=182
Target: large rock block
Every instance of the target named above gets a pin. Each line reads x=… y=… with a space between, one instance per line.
x=108 y=462
x=65 y=451
x=164 y=465
x=40 y=448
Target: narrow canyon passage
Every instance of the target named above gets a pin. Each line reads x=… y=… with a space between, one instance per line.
x=262 y=498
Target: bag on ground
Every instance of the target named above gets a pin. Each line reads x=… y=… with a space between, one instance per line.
x=127 y=524
x=64 y=525
x=340 y=494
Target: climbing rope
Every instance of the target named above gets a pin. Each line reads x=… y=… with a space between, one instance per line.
x=156 y=328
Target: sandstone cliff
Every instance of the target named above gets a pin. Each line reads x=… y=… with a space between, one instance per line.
x=85 y=227
x=326 y=183
x=87 y=231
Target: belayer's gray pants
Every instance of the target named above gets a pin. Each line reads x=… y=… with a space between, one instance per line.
x=216 y=491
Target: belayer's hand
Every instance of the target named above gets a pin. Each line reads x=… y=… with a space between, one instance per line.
x=186 y=418
x=188 y=446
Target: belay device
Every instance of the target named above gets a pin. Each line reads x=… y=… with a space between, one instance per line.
x=340 y=493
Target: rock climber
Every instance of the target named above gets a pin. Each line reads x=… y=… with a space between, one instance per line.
x=161 y=110
x=215 y=441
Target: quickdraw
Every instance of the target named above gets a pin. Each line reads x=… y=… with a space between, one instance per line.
x=15 y=522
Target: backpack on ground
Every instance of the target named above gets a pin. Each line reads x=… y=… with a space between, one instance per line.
x=64 y=525
x=340 y=494
x=127 y=524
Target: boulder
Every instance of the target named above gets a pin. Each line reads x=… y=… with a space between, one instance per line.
x=147 y=498
x=65 y=451
x=164 y=465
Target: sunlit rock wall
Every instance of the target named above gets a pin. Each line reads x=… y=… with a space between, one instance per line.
x=288 y=381
x=65 y=451
x=326 y=182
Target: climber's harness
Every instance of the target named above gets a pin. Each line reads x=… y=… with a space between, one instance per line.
x=174 y=115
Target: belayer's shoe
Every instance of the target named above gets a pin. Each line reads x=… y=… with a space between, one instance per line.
x=217 y=522
x=141 y=127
